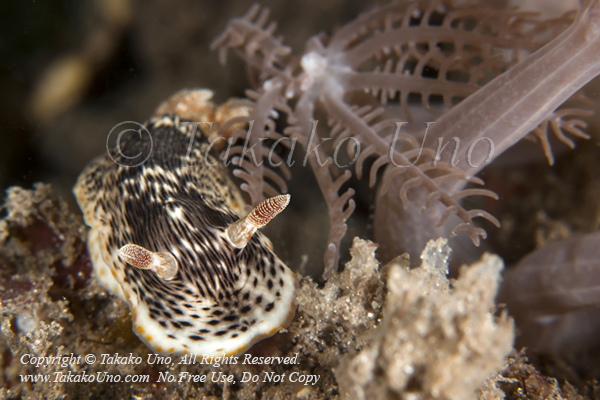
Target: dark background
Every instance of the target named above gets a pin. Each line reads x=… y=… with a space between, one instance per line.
x=113 y=60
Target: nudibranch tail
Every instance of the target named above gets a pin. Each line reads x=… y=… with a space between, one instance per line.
x=240 y=232
x=163 y=264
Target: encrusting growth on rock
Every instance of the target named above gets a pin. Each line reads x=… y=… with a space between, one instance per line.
x=435 y=339
x=370 y=332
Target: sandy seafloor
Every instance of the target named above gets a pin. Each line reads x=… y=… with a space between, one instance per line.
x=122 y=59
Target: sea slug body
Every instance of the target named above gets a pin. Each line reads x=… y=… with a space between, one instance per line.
x=166 y=236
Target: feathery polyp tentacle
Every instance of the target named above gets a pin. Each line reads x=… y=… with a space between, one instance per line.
x=240 y=232
x=163 y=264
x=427 y=48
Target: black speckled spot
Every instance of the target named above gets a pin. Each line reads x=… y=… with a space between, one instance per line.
x=176 y=324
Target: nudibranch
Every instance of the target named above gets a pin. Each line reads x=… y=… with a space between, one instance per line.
x=168 y=237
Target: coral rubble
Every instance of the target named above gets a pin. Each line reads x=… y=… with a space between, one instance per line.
x=437 y=339
x=348 y=335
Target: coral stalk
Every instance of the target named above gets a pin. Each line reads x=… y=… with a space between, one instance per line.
x=516 y=102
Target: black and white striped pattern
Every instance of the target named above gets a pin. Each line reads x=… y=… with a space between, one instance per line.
x=223 y=298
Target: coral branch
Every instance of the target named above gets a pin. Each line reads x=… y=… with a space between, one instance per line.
x=413 y=176
x=250 y=158
x=545 y=80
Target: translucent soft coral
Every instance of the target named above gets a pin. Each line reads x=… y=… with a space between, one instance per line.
x=433 y=51
x=525 y=96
